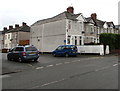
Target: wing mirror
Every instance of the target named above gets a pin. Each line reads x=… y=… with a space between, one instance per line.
x=10 y=50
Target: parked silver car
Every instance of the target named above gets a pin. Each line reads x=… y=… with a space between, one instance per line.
x=23 y=53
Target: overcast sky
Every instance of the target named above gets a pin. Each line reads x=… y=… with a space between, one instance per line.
x=17 y=11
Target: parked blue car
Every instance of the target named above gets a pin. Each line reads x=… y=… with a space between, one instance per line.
x=65 y=50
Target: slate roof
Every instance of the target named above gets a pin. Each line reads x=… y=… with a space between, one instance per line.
x=98 y=23
x=63 y=15
x=24 y=28
x=88 y=19
x=109 y=24
x=4 y=31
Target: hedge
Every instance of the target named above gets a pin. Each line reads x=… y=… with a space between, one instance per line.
x=113 y=40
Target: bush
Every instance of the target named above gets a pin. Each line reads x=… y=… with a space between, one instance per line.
x=113 y=40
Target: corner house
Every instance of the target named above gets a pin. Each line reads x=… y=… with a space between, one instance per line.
x=64 y=28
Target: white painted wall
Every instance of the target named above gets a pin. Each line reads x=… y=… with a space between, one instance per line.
x=105 y=25
x=46 y=37
x=8 y=37
x=92 y=49
x=75 y=29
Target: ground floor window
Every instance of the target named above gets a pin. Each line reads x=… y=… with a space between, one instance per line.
x=75 y=40
x=80 y=41
x=94 y=40
x=68 y=39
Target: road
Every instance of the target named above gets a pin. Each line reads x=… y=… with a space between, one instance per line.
x=82 y=72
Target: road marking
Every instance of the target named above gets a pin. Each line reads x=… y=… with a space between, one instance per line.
x=93 y=58
x=53 y=82
x=45 y=84
x=115 y=64
x=39 y=68
x=59 y=64
x=49 y=65
x=96 y=70
x=66 y=62
x=102 y=68
x=31 y=65
x=75 y=61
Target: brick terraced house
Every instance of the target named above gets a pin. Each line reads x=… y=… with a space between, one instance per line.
x=20 y=35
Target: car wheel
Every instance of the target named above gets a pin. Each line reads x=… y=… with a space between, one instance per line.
x=75 y=56
x=9 y=59
x=20 y=60
x=54 y=54
x=66 y=55
x=36 y=60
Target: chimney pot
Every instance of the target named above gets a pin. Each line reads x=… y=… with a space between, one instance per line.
x=5 y=28
x=24 y=24
x=70 y=9
x=94 y=16
x=16 y=25
x=10 y=27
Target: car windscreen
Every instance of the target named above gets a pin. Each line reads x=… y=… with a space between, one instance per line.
x=74 y=47
x=30 y=49
x=19 y=49
x=71 y=47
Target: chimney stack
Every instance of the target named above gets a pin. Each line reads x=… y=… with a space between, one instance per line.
x=10 y=27
x=70 y=9
x=5 y=28
x=24 y=24
x=16 y=25
x=94 y=16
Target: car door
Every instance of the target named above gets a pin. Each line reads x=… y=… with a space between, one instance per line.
x=60 y=50
x=10 y=53
x=17 y=52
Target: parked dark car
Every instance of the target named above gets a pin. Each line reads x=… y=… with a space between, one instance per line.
x=23 y=53
x=65 y=50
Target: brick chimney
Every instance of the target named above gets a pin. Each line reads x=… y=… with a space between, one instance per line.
x=10 y=27
x=70 y=9
x=5 y=28
x=94 y=16
x=16 y=25
x=24 y=24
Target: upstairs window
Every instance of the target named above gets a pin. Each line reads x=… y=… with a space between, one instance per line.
x=80 y=26
x=69 y=25
x=8 y=36
x=5 y=36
